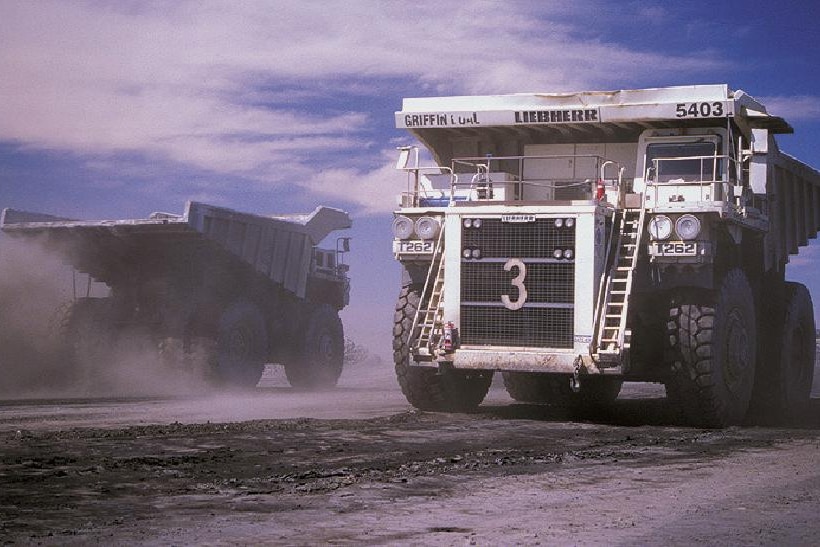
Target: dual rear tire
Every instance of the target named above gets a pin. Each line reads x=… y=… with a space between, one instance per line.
x=711 y=353
x=88 y=332
x=320 y=354
x=241 y=345
x=315 y=360
x=723 y=371
x=786 y=359
x=796 y=371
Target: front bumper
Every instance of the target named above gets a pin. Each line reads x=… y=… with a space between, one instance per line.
x=524 y=360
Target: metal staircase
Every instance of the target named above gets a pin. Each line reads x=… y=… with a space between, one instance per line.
x=612 y=335
x=428 y=324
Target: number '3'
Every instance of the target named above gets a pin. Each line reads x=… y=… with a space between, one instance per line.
x=517 y=282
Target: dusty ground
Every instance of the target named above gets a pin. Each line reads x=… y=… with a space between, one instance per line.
x=357 y=465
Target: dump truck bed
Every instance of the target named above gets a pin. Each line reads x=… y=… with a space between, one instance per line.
x=796 y=212
x=278 y=247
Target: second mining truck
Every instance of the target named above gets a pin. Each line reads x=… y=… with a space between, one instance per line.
x=243 y=289
x=573 y=241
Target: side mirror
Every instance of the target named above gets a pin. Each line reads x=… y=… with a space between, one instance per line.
x=408 y=158
x=343 y=245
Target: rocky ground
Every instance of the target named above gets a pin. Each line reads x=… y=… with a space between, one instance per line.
x=358 y=465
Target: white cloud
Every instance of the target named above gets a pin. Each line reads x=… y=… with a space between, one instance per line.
x=374 y=191
x=198 y=82
x=794 y=108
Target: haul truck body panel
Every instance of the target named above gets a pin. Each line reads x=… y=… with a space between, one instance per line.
x=575 y=240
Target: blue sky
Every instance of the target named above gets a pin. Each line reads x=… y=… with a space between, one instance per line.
x=114 y=109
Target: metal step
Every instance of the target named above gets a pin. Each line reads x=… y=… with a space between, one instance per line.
x=427 y=323
x=613 y=339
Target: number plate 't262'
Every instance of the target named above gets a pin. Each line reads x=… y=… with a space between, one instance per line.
x=676 y=248
x=413 y=247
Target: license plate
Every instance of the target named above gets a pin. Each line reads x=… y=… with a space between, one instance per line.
x=676 y=248
x=413 y=247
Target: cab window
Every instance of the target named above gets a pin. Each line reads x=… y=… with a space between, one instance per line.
x=689 y=162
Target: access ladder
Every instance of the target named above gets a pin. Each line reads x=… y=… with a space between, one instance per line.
x=428 y=321
x=613 y=336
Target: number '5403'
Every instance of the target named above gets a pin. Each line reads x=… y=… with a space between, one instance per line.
x=699 y=110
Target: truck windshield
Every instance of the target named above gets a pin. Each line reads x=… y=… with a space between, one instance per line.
x=689 y=162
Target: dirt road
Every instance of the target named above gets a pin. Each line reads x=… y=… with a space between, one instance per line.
x=357 y=465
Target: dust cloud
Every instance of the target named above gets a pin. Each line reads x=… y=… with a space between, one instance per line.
x=37 y=357
x=44 y=355
x=30 y=300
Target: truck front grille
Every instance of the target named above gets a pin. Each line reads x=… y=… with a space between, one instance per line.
x=545 y=282
x=546 y=318
x=519 y=239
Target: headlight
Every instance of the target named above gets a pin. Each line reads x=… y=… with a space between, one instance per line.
x=427 y=227
x=687 y=227
x=660 y=227
x=402 y=227
x=569 y=223
x=559 y=222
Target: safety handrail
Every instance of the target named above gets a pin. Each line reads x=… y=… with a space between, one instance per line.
x=481 y=168
x=477 y=174
x=653 y=171
x=711 y=188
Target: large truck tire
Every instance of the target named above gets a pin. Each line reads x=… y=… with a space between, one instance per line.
x=88 y=339
x=783 y=386
x=241 y=345
x=320 y=353
x=430 y=388
x=712 y=352
x=797 y=353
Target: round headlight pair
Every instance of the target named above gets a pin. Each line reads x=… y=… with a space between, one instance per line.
x=472 y=223
x=660 y=227
x=402 y=227
x=560 y=222
x=424 y=227
x=687 y=227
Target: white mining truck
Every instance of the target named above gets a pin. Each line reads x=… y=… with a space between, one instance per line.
x=573 y=241
x=249 y=289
